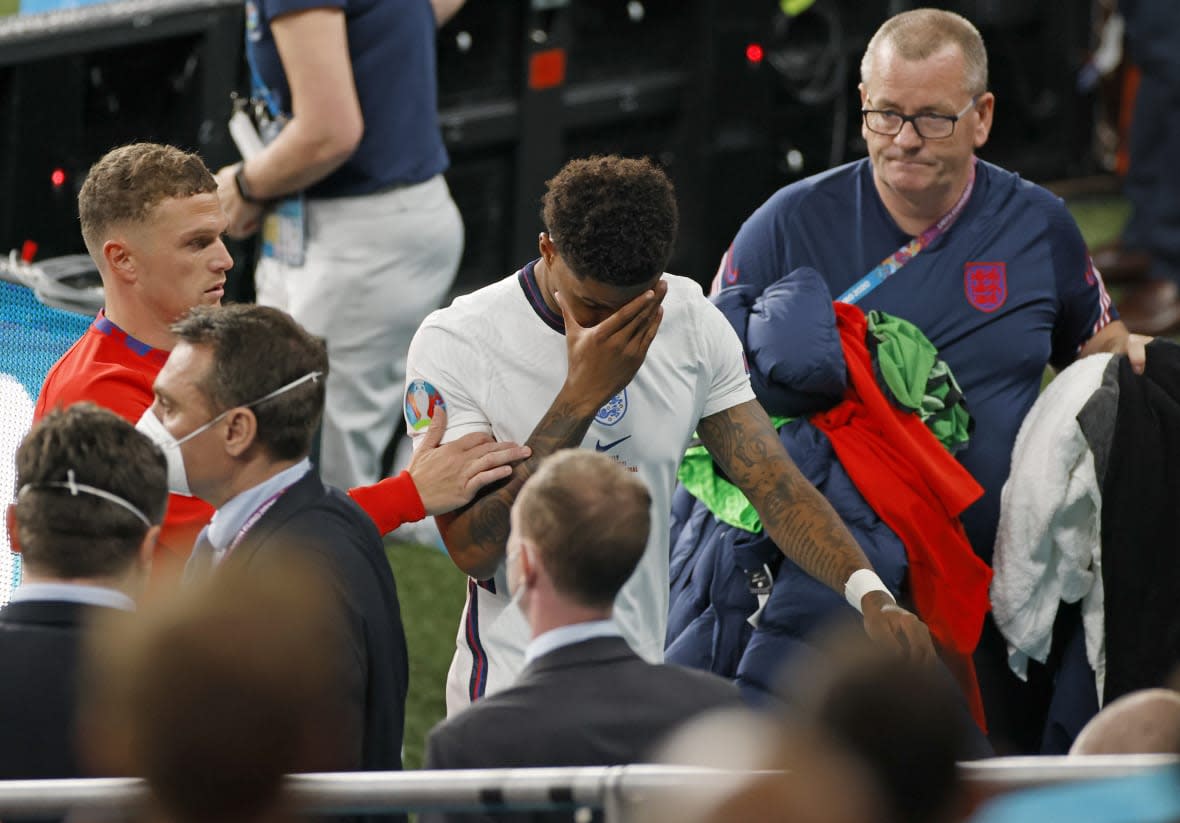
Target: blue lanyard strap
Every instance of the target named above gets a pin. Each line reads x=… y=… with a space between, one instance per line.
x=258 y=88
x=889 y=266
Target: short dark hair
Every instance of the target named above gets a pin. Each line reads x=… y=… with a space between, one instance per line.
x=86 y=536
x=256 y=350
x=590 y=519
x=129 y=181
x=613 y=219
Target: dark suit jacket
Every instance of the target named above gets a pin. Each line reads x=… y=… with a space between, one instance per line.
x=40 y=642
x=594 y=703
x=330 y=529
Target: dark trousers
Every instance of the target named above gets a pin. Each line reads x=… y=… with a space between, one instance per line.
x=1043 y=714
x=1153 y=178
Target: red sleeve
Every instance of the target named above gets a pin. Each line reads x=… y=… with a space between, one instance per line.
x=391 y=502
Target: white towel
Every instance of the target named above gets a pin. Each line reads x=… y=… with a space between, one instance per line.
x=1048 y=544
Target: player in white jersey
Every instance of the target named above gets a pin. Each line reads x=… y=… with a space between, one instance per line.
x=565 y=353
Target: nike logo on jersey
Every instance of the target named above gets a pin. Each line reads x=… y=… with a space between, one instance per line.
x=599 y=446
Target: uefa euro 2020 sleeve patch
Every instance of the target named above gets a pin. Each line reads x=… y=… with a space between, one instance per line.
x=421 y=401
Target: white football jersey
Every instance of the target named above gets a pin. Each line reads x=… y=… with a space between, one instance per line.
x=497 y=358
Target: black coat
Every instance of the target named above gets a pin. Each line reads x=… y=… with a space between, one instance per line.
x=593 y=703
x=1140 y=524
x=40 y=644
x=328 y=528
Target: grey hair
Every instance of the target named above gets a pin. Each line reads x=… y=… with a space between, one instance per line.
x=921 y=33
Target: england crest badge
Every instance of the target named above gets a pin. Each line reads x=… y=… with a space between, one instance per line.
x=613 y=410
x=986 y=285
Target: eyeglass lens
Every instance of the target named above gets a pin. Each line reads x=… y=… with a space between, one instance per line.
x=927 y=125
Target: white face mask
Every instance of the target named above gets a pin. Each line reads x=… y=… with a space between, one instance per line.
x=515 y=593
x=151 y=426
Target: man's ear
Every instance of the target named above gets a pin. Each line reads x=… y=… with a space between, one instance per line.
x=529 y=565
x=548 y=250
x=10 y=519
x=986 y=109
x=241 y=431
x=147 y=549
x=119 y=259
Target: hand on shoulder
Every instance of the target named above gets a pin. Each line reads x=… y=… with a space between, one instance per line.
x=448 y=476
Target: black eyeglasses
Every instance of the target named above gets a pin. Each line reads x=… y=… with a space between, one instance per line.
x=928 y=126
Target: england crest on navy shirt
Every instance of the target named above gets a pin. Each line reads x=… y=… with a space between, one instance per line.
x=986 y=285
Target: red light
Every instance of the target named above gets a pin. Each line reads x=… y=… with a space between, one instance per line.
x=547 y=69
x=58 y=177
x=754 y=53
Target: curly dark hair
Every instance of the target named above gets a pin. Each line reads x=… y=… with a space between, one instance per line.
x=613 y=219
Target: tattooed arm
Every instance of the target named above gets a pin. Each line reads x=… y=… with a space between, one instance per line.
x=602 y=360
x=476 y=535
x=799 y=519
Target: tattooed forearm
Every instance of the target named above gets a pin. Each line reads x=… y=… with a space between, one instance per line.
x=797 y=517
x=488 y=523
x=477 y=534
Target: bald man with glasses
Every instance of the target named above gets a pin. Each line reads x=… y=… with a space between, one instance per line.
x=990 y=267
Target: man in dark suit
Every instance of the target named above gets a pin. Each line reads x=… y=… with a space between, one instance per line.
x=91 y=494
x=237 y=404
x=579 y=527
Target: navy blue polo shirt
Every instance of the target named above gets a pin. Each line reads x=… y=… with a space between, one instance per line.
x=1008 y=289
x=391 y=44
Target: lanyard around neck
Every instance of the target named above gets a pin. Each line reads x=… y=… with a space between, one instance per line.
x=889 y=266
x=253 y=519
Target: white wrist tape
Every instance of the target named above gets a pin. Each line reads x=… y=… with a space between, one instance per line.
x=860 y=583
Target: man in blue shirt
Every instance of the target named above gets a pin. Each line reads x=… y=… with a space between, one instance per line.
x=360 y=236
x=990 y=267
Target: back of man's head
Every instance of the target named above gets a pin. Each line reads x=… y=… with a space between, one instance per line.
x=613 y=219
x=875 y=704
x=257 y=350
x=128 y=182
x=589 y=518
x=66 y=531
x=921 y=33
x=1142 y=722
x=781 y=770
x=216 y=692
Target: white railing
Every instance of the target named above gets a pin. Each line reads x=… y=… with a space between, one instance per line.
x=1008 y=773
x=611 y=788
x=600 y=787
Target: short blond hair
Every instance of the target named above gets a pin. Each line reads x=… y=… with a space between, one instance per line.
x=921 y=33
x=128 y=182
x=590 y=518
